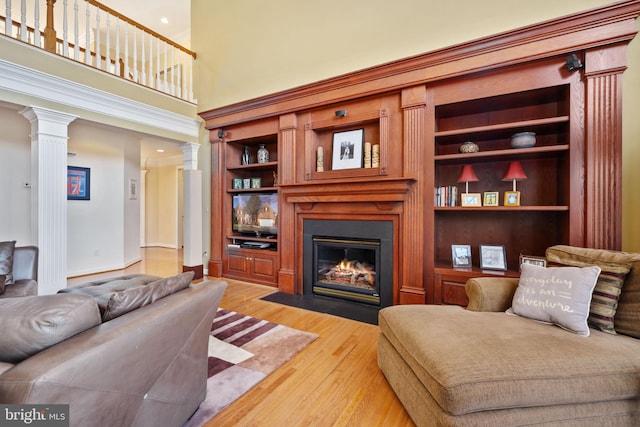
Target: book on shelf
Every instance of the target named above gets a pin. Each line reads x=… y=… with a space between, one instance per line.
x=446 y=195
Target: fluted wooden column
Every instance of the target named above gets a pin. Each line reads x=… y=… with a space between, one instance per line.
x=286 y=212
x=412 y=287
x=192 y=210
x=217 y=173
x=603 y=146
x=49 y=135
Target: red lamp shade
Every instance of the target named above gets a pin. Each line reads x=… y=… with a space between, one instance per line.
x=514 y=173
x=467 y=174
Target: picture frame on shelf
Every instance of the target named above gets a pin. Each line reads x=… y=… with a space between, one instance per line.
x=493 y=257
x=78 y=183
x=512 y=198
x=461 y=256
x=490 y=198
x=535 y=260
x=237 y=183
x=256 y=182
x=347 y=149
x=471 y=199
x=246 y=183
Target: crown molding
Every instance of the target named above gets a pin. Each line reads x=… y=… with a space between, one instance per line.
x=21 y=80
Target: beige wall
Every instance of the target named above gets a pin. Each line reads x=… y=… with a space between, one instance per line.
x=250 y=48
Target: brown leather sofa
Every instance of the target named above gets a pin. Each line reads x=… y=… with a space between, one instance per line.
x=25 y=273
x=146 y=367
x=480 y=366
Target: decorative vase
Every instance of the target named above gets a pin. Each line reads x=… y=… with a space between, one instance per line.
x=469 y=147
x=263 y=154
x=246 y=156
x=523 y=140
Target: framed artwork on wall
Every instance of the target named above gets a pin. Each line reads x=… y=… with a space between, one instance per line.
x=78 y=183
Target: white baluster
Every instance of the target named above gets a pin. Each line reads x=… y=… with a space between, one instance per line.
x=65 y=32
x=97 y=41
x=36 y=26
x=175 y=69
x=107 y=65
x=76 y=33
x=117 y=58
x=8 y=23
x=87 y=46
x=135 y=55
x=23 y=20
x=126 y=51
x=166 y=70
x=142 y=67
x=158 y=81
x=151 y=78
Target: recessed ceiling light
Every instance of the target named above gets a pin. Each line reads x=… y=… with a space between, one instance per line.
x=160 y=150
x=164 y=20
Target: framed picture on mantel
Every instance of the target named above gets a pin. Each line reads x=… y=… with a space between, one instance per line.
x=347 y=149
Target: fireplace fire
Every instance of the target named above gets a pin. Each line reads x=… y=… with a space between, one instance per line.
x=347 y=268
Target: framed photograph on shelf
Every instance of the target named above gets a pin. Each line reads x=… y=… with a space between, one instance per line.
x=535 y=260
x=78 y=183
x=461 y=255
x=471 y=199
x=512 y=198
x=347 y=149
x=493 y=257
x=490 y=198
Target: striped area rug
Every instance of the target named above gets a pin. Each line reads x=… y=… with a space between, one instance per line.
x=243 y=350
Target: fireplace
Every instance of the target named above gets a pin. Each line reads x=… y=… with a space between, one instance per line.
x=349 y=260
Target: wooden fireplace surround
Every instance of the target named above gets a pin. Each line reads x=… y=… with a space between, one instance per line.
x=418 y=110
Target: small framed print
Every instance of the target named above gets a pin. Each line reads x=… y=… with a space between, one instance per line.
x=461 y=255
x=493 y=257
x=246 y=183
x=347 y=149
x=512 y=198
x=471 y=199
x=237 y=183
x=535 y=260
x=490 y=198
x=256 y=182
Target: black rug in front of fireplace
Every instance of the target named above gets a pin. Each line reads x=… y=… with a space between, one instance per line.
x=348 y=309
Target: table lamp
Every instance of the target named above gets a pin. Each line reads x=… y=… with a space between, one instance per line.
x=514 y=173
x=467 y=174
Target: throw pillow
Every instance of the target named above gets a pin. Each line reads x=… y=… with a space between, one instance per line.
x=608 y=289
x=6 y=262
x=33 y=323
x=122 y=302
x=558 y=295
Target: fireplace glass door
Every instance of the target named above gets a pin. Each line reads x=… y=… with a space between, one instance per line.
x=347 y=268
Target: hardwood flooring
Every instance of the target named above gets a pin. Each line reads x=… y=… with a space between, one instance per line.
x=335 y=381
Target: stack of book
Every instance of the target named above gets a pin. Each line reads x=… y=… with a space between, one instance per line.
x=446 y=196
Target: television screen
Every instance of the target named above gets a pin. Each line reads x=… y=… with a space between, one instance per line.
x=255 y=213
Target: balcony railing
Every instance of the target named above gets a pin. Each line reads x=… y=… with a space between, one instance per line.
x=97 y=36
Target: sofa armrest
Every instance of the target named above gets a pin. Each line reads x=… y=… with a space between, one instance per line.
x=490 y=293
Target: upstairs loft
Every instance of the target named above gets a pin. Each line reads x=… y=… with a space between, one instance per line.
x=89 y=33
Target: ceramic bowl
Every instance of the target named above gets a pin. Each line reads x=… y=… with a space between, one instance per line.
x=523 y=140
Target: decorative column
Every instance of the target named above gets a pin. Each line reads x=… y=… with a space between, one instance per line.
x=192 y=255
x=49 y=135
x=414 y=262
x=603 y=146
x=286 y=213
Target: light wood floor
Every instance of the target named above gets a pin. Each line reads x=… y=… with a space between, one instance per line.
x=335 y=381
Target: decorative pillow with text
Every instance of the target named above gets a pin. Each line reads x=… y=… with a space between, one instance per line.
x=558 y=295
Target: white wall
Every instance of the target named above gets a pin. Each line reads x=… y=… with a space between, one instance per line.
x=15 y=171
x=162 y=203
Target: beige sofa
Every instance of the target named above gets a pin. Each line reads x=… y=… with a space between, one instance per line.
x=112 y=364
x=479 y=366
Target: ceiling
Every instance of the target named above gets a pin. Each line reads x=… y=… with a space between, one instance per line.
x=178 y=29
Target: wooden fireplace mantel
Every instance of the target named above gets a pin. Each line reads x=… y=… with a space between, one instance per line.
x=419 y=110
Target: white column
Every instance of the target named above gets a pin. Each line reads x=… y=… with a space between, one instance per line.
x=49 y=135
x=192 y=210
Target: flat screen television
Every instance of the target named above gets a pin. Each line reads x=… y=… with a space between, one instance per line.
x=256 y=213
